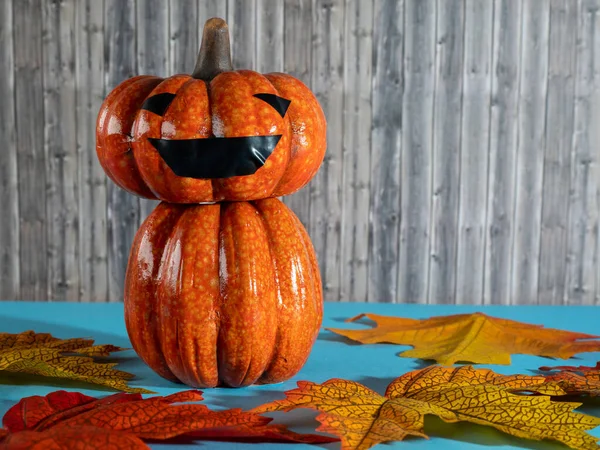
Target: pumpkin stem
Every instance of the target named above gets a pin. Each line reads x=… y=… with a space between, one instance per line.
x=215 y=51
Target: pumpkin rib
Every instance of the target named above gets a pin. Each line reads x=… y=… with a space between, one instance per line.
x=148 y=162
x=315 y=269
x=188 y=306
x=247 y=333
x=303 y=164
x=204 y=306
x=140 y=301
x=296 y=306
x=168 y=277
x=138 y=185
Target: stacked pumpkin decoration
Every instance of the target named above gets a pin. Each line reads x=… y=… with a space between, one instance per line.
x=222 y=284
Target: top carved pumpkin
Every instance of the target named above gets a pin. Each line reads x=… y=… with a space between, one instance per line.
x=217 y=135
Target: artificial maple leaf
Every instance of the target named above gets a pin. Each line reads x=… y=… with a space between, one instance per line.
x=572 y=368
x=576 y=380
x=475 y=338
x=363 y=418
x=61 y=419
x=43 y=354
x=572 y=383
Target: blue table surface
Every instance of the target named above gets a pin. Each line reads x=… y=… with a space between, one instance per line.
x=333 y=356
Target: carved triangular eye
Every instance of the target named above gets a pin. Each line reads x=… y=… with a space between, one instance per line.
x=158 y=103
x=279 y=103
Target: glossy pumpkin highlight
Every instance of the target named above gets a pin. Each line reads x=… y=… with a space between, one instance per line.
x=213 y=107
x=224 y=294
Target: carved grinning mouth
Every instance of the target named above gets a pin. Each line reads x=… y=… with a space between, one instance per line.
x=215 y=157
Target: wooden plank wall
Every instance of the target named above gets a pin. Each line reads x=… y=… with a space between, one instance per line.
x=463 y=141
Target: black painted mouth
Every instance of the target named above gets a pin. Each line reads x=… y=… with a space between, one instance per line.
x=216 y=157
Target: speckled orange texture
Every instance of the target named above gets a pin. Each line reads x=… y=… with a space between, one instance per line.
x=299 y=290
x=113 y=133
x=223 y=108
x=237 y=113
x=141 y=278
x=223 y=294
x=307 y=148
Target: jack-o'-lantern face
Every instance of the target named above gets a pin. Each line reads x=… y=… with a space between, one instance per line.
x=215 y=157
x=216 y=135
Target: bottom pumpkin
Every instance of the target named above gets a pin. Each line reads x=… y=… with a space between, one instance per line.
x=224 y=294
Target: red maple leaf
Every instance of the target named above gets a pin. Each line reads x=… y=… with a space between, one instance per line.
x=68 y=420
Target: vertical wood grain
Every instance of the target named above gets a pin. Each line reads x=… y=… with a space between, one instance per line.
x=325 y=189
x=297 y=58
x=502 y=151
x=557 y=156
x=241 y=17
x=358 y=45
x=462 y=162
x=89 y=79
x=269 y=35
x=9 y=186
x=582 y=265
x=152 y=37
x=208 y=9
x=417 y=148
x=475 y=132
x=183 y=36
x=447 y=116
x=123 y=210
x=60 y=142
x=31 y=157
x=533 y=84
x=386 y=143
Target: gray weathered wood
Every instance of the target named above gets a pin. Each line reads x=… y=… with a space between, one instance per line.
x=530 y=150
x=386 y=139
x=208 y=9
x=269 y=33
x=123 y=211
x=241 y=17
x=582 y=250
x=325 y=189
x=60 y=147
x=152 y=29
x=417 y=148
x=475 y=129
x=183 y=39
x=358 y=45
x=297 y=58
x=462 y=164
x=557 y=156
x=31 y=158
x=89 y=78
x=503 y=146
x=9 y=186
x=446 y=150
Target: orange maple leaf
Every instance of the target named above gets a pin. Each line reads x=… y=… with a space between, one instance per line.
x=572 y=368
x=43 y=354
x=475 y=338
x=70 y=420
x=576 y=380
x=363 y=418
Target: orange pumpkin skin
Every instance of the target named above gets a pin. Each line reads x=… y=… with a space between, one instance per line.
x=224 y=294
x=222 y=107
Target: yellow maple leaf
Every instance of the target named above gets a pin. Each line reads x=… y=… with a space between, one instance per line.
x=475 y=338
x=363 y=418
x=43 y=354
